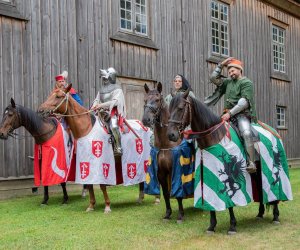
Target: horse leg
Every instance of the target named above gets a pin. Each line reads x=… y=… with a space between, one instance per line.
x=106 y=198
x=180 y=211
x=213 y=222
x=84 y=189
x=66 y=197
x=157 y=199
x=91 y=206
x=276 y=213
x=232 y=228
x=46 y=196
x=164 y=185
x=141 y=193
x=261 y=211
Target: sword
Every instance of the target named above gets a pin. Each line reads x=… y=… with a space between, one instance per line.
x=133 y=131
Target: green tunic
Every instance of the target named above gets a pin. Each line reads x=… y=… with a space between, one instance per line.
x=235 y=90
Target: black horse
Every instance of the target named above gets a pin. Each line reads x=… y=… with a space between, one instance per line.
x=42 y=129
x=184 y=111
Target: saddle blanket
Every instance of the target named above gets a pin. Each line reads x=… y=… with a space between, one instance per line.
x=182 y=181
x=95 y=162
x=52 y=159
x=221 y=179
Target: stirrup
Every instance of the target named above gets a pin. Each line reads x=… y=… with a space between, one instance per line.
x=251 y=168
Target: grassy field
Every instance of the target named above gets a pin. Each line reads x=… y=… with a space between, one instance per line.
x=24 y=224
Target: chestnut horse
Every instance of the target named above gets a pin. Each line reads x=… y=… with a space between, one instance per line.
x=156 y=115
x=42 y=129
x=80 y=122
x=184 y=111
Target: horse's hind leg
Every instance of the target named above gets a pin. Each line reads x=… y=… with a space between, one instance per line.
x=180 y=211
x=91 y=206
x=276 y=213
x=213 y=222
x=261 y=210
x=106 y=198
x=141 y=193
x=232 y=228
x=66 y=197
x=46 y=196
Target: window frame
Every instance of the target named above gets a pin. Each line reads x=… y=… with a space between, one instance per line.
x=219 y=22
x=133 y=19
x=281 y=121
x=281 y=45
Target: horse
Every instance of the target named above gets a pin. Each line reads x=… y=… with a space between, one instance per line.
x=209 y=130
x=80 y=121
x=156 y=115
x=42 y=129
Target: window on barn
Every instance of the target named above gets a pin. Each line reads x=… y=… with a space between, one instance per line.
x=133 y=16
x=281 y=116
x=219 y=28
x=278 y=48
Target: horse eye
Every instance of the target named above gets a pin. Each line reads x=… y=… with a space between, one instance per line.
x=157 y=100
x=57 y=97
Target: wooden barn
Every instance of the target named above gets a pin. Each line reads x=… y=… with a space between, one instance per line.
x=147 y=40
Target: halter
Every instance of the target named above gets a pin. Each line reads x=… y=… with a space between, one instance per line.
x=181 y=125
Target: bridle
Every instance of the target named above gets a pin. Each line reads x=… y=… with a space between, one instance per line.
x=156 y=112
x=182 y=124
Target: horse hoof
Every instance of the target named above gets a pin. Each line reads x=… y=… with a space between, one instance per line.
x=180 y=221
x=210 y=232
x=157 y=202
x=259 y=218
x=44 y=204
x=139 y=201
x=89 y=209
x=107 y=210
x=276 y=222
x=166 y=219
x=231 y=232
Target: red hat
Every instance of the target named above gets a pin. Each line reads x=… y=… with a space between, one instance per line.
x=236 y=63
x=62 y=76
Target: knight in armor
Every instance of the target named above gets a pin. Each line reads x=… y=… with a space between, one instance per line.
x=111 y=98
x=239 y=106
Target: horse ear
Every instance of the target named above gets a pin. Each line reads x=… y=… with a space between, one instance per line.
x=146 y=88
x=159 y=87
x=186 y=93
x=67 y=89
x=12 y=101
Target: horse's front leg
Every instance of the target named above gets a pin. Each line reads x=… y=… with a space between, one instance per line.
x=232 y=228
x=91 y=206
x=213 y=222
x=261 y=211
x=166 y=193
x=66 y=197
x=106 y=199
x=46 y=196
x=141 y=193
x=180 y=211
x=275 y=213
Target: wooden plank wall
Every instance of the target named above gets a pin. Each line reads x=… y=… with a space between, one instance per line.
x=75 y=36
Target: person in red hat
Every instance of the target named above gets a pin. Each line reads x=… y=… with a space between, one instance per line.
x=239 y=106
x=61 y=83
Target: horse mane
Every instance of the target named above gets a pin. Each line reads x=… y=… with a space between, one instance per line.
x=205 y=117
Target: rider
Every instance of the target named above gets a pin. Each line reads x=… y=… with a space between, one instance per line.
x=112 y=99
x=239 y=106
x=180 y=85
x=61 y=83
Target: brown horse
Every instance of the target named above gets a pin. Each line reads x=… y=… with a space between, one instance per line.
x=156 y=115
x=42 y=129
x=80 y=122
x=185 y=111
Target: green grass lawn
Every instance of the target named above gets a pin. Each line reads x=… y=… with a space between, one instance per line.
x=24 y=224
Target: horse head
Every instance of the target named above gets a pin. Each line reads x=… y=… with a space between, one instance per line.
x=180 y=115
x=153 y=105
x=56 y=101
x=10 y=120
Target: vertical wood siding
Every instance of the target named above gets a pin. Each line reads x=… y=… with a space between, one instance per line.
x=75 y=36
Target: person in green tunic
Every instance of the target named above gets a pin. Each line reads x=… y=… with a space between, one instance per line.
x=239 y=106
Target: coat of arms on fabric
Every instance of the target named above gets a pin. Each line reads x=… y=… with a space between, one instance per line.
x=84 y=169
x=50 y=164
x=182 y=183
x=221 y=180
x=96 y=150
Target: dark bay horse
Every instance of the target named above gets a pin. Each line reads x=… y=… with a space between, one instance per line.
x=185 y=111
x=80 y=122
x=156 y=115
x=42 y=129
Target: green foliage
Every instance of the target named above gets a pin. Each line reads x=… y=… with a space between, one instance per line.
x=24 y=224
